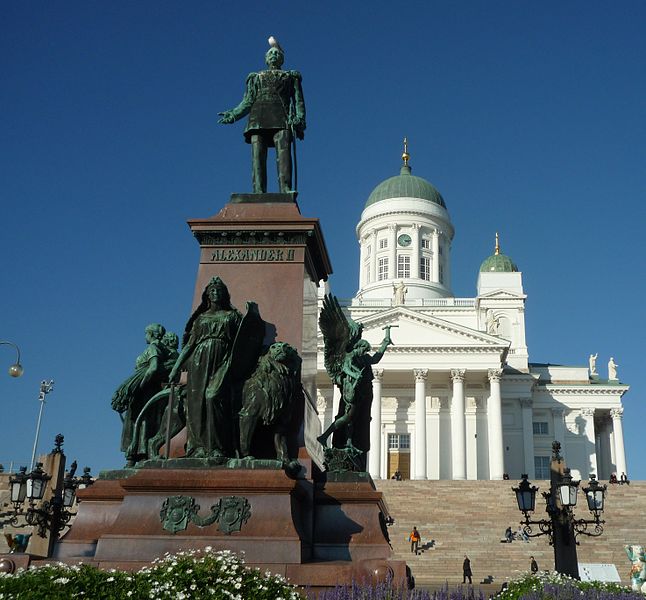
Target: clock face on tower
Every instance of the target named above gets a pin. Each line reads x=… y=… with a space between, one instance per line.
x=404 y=240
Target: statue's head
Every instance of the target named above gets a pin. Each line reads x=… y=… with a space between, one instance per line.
x=171 y=340
x=286 y=354
x=216 y=292
x=274 y=57
x=362 y=347
x=154 y=331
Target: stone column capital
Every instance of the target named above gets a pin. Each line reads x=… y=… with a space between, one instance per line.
x=457 y=374
x=415 y=226
x=420 y=374
x=617 y=413
x=526 y=402
x=557 y=411
x=494 y=374
x=392 y=227
x=587 y=412
x=379 y=374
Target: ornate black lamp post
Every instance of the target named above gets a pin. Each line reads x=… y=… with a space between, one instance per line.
x=562 y=527
x=51 y=516
x=15 y=370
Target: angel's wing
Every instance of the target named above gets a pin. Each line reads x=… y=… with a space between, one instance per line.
x=336 y=335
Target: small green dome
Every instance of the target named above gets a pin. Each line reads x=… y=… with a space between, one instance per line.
x=498 y=263
x=405 y=185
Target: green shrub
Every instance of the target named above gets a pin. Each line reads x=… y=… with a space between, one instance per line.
x=554 y=586
x=192 y=574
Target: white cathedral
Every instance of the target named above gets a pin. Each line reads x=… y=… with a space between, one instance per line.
x=456 y=397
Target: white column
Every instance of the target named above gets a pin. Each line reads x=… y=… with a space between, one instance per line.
x=374 y=261
x=392 y=251
x=433 y=440
x=587 y=414
x=362 y=262
x=496 y=456
x=435 y=245
x=417 y=244
x=528 y=437
x=420 y=423
x=374 y=456
x=336 y=400
x=458 y=442
x=618 y=430
x=559 y=425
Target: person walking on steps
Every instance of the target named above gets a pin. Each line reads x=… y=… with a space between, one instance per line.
x=466 y=570
x=414 y=538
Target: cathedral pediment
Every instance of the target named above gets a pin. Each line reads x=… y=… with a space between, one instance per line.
x=501 y=294
x=418 y=330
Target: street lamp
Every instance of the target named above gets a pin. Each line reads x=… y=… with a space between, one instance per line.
x=50 y=516
x=561 y=527
x=16 y=369
x=45 y=388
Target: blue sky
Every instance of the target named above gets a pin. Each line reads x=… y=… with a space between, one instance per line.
x=528 y=117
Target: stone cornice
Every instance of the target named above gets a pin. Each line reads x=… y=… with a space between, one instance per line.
x=582 y=390
x=438 y=349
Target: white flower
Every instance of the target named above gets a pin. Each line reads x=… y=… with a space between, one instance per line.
x=129 y=593
x=62 y=580
x=110 y=579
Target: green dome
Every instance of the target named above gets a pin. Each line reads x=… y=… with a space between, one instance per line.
x=405 y=185
x=498 y=263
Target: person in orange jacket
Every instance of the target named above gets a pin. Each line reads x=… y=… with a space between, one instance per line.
x=414 y=538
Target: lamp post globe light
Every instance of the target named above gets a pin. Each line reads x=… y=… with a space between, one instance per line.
x=15 y=370
x=562 y=527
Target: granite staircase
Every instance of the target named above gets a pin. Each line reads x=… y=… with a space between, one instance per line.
x=456 y=518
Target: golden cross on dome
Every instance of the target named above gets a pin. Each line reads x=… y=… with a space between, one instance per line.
x=405 y=155
x=497 y=251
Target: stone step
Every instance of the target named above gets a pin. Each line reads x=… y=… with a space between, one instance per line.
x=470 y=517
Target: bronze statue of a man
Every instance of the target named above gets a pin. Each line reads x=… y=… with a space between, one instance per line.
x=274 y=102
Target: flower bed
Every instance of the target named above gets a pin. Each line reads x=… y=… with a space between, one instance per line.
x=192 y=574
x=223 y=576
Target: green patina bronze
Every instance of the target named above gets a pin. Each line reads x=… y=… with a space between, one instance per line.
x=230 y=513
x=274 y=101
x=349 y=364
x=210 y=355
x=131 y=398
x=268 y=398
x=238 y=404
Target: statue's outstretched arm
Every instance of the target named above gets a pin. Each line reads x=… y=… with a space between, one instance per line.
x=235 y=114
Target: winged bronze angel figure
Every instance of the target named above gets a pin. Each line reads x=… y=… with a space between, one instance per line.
x=349 y=364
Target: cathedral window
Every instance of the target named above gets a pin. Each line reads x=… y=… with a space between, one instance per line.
x=368 y=249
x=540 y=428
x=425 y=268
x=383 y=243
x=382 y=272
x=398 y=441
x=367 y=273
x=426 y=243
x=403 y=266
x=441 y=273
x=542 y=467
